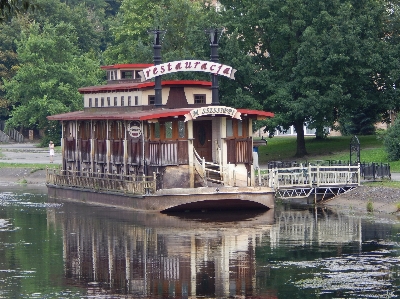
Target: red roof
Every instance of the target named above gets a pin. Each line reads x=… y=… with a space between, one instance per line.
x=127 y=65
x=255 y=112
x=133 y=86
x=142 y=115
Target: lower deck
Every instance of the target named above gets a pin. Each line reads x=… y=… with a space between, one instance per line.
x=170 y=200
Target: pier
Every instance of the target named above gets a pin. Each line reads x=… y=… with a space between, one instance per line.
x=318 y=181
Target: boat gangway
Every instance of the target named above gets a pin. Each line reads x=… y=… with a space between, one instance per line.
x=317 y=181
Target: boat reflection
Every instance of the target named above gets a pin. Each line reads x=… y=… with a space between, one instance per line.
x=111 y=252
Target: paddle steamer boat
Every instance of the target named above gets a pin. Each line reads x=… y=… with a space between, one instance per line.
x=159 y=145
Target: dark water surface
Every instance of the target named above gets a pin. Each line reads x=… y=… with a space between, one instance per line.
x=77 y=251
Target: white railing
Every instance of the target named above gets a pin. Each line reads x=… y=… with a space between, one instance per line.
x=311 y=176
x=205 y=169
x=218 y=154
x=199 y=165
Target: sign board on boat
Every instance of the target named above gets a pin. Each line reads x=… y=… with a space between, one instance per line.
x=212 y=110
x=187 y=66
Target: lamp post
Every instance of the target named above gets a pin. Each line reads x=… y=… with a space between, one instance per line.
x=214 y=39
x=157 y=60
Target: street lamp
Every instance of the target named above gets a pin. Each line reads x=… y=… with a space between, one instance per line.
x=214 y=39
x=158 y=37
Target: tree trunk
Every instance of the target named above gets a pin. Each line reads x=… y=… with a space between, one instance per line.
x=301 y=142
x=320 y=133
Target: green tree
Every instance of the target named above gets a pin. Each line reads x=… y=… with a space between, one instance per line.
x=86 y=19
x=51 y=70
x=311 y=61
x=392 y=141
x=9 y=8
x=183 y=21
x=9 y=33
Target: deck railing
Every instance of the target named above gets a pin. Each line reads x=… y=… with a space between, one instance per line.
x=167 y=152
x=239 y=150
x=310 y=176
x=127 y=184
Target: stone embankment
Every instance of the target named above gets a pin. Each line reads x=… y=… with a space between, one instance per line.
x=24 y=153
x=11 y=176
x=383 y=200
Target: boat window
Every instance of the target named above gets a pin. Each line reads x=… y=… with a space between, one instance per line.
x=122 y=101
x=84 y=130
x=136 y=100
x=90 y=102
x=152 y=100
x=115 y=101
x=199 y=98
x=229 y=128
x=100 y=131
x=112 y=75
x=168 y=129
x=240 y=128
x=129 y=101
x=181 y=129
x=108 y=101
x=96 y=102
x=102 y=102
x=157 y=130
x=117 y=130
x=126 y=75
x=137 y=75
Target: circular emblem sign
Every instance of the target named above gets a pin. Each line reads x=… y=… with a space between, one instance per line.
x=134 y=129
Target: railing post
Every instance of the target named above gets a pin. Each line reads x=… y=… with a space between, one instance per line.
x=310 y=178
x=143 y=184
x=229 y=174
x=359 y=175
x=259 y=176
x=270 y=177
x=154 y=182
x=203 y=166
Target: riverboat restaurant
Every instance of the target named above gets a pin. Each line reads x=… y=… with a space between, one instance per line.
x=188 y=141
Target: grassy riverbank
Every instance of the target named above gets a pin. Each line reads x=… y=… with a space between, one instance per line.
x=28 y=165
x=331 y=148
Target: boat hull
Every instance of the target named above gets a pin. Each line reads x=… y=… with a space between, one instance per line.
x=178 y=199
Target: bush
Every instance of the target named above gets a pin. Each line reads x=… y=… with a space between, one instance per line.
x=53 y=134
x=370 y=207
x=391 y=141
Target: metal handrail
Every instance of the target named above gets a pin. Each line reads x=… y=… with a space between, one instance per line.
x=127 y=184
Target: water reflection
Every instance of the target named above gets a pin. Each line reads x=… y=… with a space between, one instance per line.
x=203 y=255
x=78 y=251
x=151 y=255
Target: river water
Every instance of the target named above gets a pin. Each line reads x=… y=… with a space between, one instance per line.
x=78 y=251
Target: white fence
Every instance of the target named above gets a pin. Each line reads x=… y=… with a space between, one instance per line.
x=310 y=176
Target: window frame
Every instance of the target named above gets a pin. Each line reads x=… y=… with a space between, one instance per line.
x=199 y=98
